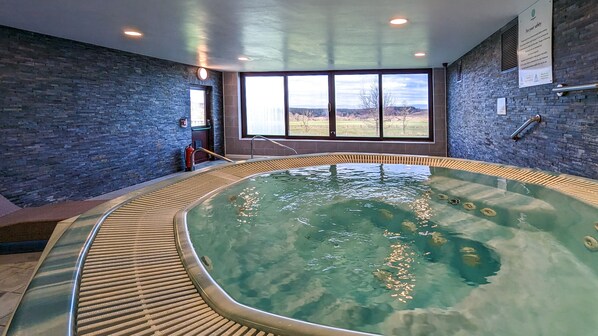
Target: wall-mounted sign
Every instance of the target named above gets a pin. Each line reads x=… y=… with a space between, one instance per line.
x=534 y=51
x=183 y=122
x=501 y=106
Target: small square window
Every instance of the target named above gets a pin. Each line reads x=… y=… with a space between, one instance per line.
x=198 y=107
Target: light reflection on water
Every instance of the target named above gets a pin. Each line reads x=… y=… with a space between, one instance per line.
x=402 y=280
x=247 y=204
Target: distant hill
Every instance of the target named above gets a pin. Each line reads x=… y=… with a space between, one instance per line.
x=398 y=110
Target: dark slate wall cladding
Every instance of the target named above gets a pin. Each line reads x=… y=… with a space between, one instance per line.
x=77 y=120
x=567 y=140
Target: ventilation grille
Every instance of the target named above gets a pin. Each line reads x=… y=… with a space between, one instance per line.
x=509 y=48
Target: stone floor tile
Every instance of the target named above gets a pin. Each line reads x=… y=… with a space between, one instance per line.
x=21 y=289
x=4 y=321
x=19 y=258
x=6 y=269
x=27 y=265
x=13 y=279
x=8 y=303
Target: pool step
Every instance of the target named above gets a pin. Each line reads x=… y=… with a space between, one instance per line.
x=469 y=225
x=486 y=195
x=505 y=207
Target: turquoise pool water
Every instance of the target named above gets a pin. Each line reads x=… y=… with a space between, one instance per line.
x=409 y=250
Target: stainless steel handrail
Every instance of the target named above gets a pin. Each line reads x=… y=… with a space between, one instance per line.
x=562 y=89
x=272 y=141
x=536 y=118
x=201 y=149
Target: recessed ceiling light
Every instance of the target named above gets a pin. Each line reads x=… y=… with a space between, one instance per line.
x=419 y=54
x=133 y=33
x=243 y=58
x=398 y=21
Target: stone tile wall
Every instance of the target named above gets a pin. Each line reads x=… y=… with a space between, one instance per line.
x=78 y=120
x=235 y=145
x=567 y=139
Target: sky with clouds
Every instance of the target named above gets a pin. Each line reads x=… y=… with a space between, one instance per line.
x=312 y=91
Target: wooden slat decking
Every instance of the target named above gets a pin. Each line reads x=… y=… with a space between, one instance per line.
x=134 y=282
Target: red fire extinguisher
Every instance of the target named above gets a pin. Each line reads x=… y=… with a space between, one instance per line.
x=188 y=161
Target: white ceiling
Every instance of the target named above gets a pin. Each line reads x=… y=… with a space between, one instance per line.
x=277 y=35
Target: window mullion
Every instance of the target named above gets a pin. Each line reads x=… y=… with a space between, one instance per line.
x=380 y=107
x=331 y=106
x=286 y=106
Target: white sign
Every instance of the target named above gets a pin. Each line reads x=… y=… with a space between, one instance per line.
x=534 y=52
x=501 y=106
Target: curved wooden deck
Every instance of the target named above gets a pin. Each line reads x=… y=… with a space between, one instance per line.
x=134 y=282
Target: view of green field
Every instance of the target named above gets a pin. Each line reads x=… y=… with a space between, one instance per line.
x=416 y=125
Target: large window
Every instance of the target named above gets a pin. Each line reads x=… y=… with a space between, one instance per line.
x=308 y=105
x=359 y=105
x=405 y=106
x=264 y=105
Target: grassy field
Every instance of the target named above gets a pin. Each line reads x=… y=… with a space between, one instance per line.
x=415 y=126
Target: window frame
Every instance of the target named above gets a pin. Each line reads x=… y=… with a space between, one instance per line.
x=332 y=104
